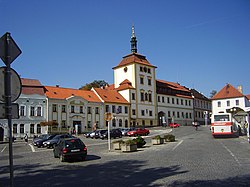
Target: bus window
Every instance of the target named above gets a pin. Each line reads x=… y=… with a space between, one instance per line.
x=221 y=117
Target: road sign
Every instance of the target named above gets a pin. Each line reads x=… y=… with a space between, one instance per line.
x=16 y=86
x=7 y=43
x=15 y=111
x=108 y=116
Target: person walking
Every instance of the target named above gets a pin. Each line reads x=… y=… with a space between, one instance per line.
x=26 y=138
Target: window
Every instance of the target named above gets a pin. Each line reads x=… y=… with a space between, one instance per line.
x=143 y=122
x=141 y=80
x=150 y=113
x=97 y=110
x=149 y=70
x=169 y=115
x=107 y=108
x=119 y=110
x=63 y=108
x=219 y=104
x=143 y=112
x=190 y=115
x=22 y=111
x=163 y=99
x=237 y=102
x=32 y=111
x=39 y=111
x=81 y=109
x=133 y=112
x=142 y=96
x=21 y=128
x=89 y=110
x=186 y=102
x=113 y=108
x=14 y=128
x=150 y=97
x=113 y=123
x=38 y=128
x=133 y=96
x=151 y=122
x=126 y=109
x=63 y=124
x=32 y=128
x=146 y=96
x=159 y=99
x=172 y=100
x=228 y=103
x=72 y=109
x=181 y=101
x=178 y=114
x=120 y=123
x=168 y=100
x=149 y=81
x=189 y=103
x=177 y=101
x=141 y=68
x=126 y=123
x=186 y=115
x=89 y=124
x=54 y=108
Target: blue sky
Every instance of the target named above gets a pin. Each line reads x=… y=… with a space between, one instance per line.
x=201 y=44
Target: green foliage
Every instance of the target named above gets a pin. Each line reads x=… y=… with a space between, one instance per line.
x=169 y=138
x=95 y=84
x=130 y=142
x=212 y=93
x=158 y=137
x=140 y=141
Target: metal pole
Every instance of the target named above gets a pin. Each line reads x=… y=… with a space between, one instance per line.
x=7 y=85
x=109 y=142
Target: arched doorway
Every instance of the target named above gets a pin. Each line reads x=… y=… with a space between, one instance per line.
x=162 y=119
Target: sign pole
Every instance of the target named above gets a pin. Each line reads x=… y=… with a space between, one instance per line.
x=8 y=104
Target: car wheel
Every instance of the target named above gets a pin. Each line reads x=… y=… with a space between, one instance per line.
x=83 y=158
x=62 y=158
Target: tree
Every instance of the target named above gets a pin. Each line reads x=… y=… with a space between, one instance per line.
x=95 y=84
x=212 y=93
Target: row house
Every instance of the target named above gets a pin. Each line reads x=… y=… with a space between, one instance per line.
x=202 y=107
x=174 y=103
x=74 y=109
x=32 y=110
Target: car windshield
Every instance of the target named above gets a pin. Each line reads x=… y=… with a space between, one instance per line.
x=74 y=143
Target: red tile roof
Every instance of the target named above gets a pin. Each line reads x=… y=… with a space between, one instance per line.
x=134 y=58
x=32 y=86
x=64 y=93
x=126 y=84
x=227 y=92
x=248 y=97
x=110 y=96
x=172 y=88
x=30 y=82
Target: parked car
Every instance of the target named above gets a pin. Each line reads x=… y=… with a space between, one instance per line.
x=70 y=148
x=174 y=125
x=125 y=131
x=39 y=141
x=114 y=133
x=99 y=133
x=138 y=131
x=51 y=143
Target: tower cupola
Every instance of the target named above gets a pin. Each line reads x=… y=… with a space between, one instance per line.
x=133 y=41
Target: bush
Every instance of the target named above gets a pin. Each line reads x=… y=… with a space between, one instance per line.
x=169 y=138
x=130 y=142
x=158 y=137
x=140 y=141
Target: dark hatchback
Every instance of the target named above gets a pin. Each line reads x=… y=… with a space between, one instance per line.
x=70 y=148
x=114 y=133
x=39 y=141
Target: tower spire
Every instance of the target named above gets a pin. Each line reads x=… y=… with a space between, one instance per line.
x=133 y=41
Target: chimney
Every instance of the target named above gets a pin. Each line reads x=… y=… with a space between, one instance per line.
x=240 y=89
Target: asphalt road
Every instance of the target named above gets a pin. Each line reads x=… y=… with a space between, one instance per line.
x=195 y=159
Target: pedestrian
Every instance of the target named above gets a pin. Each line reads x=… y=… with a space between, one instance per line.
x=26 y=138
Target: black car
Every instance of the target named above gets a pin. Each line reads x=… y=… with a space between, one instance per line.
x=52 y=142
x=99 y=133
x=39 y=141
x=70 y=148
x=114 y=133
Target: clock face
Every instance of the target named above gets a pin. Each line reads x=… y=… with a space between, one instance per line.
x=16 y=85
x=125 y=69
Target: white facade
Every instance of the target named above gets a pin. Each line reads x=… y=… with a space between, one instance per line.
x=32 y=111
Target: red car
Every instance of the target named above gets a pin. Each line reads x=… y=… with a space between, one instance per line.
x=174 y=125
x=138 y=132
